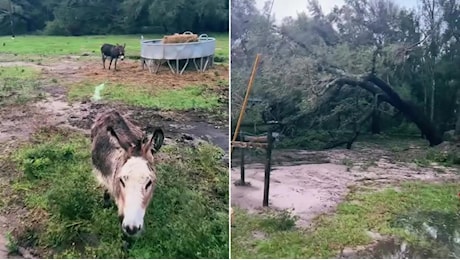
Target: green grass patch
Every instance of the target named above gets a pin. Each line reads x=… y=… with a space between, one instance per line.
x=191 y=97
x=187 y=218
x=18 y=85
x=361 y=212
x=18 y=72
x=67 y=45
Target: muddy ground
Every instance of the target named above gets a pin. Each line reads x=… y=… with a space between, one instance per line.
x=18 y=122
x=312 y=183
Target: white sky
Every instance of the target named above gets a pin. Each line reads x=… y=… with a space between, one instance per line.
x=285 y=8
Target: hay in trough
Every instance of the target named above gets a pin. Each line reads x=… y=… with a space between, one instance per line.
x=180 y=38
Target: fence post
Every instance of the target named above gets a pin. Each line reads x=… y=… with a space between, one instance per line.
x=268 y=165
x=242 y=161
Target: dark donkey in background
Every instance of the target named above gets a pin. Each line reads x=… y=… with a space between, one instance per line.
x=114 y=52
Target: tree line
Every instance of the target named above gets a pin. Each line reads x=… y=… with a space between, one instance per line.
x=367 y=66
x=90 y=17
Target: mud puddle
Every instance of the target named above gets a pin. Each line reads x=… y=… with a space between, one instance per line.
x=81 y=116
x=395 y=249
x=213 y=134
x=438 y=236
x=441 y=230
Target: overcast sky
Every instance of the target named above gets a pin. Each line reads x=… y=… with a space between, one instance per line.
x=285 y=8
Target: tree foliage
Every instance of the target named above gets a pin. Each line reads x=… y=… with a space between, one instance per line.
x=85 y=17
x=415 y=52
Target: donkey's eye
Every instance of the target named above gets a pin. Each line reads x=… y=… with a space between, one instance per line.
x=122 y=182
x=148 y=184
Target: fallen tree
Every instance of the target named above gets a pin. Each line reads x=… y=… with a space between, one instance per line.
x=385 y=93
x=377 y=87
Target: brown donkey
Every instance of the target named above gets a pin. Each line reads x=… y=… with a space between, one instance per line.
x=122 y=156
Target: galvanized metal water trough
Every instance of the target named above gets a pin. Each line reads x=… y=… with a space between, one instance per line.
x=154 y=53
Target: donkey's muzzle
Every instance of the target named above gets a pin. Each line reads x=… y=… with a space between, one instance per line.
x=131 y=230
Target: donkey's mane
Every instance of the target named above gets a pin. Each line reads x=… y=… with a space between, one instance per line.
x=127 y=133
x=110 y=132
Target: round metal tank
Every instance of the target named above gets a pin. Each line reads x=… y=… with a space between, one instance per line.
x=156 y=50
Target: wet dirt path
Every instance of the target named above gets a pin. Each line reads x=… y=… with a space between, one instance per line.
x=55 y=110
x=81 y=116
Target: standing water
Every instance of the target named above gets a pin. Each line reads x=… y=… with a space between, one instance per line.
x=437 y=236
x=439 y=230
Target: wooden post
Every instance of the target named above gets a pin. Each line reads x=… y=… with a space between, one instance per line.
x=268 y=165
x=245 y=101
x=242 y=160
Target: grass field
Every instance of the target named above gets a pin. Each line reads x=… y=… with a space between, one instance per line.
x=191 y=97
x=361 y=212
x=18 y=85
x=18 y=73
x=28 y=45
x=65 y=210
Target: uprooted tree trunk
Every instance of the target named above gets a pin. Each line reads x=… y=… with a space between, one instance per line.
x=375 y=123
x=457 y=124
x=385 y=93
x=412 y=112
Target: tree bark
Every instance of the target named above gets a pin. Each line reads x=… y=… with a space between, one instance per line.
x=457 y=124
x=386 y=94
x=357 y=131
x=433 y=92
x=375 y=123
x=425 y=125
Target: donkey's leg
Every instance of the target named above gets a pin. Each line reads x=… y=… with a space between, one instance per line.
x=116 y=59
x=111 y=59
x=103 y=60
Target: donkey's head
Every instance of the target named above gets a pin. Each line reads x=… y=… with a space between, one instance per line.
x=135 y=182
x=121 y=50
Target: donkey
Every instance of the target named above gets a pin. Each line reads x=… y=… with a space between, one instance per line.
x=122 y=157
x=114 y=52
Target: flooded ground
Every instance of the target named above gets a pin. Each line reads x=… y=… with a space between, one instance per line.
x=312 y=183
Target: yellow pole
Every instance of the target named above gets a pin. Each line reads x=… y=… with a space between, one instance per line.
x=245 y=101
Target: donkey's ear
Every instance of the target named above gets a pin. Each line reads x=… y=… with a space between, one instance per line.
x=124 y=45
x=122 y=140
x=155 y=139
